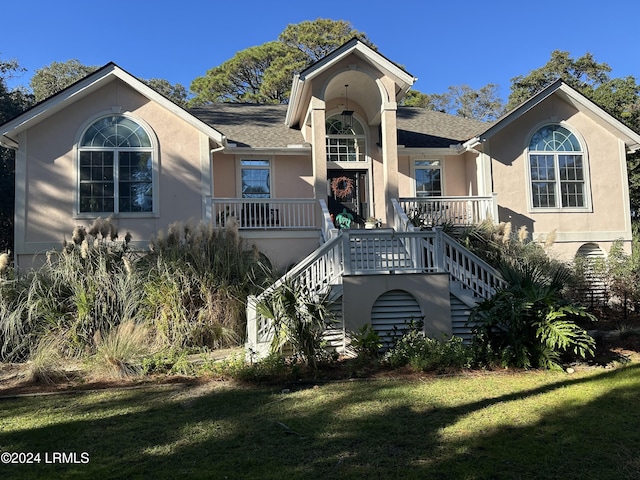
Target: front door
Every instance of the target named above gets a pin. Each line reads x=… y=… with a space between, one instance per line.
x=348 y=196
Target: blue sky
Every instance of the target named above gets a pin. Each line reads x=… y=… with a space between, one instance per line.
x=442 y=43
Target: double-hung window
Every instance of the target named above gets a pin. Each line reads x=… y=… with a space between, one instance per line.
x=557 y=169
x=256 y=178
x=428 y=177
x=115 y=168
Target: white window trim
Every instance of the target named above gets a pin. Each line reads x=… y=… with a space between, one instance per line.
x=155 y=162
x=413 y=160
x=585 y=162
x=267 y=158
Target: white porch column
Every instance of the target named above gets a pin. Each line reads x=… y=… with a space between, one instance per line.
x=389 y=157
x=318 y=150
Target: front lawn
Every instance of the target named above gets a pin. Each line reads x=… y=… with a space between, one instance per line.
x=532 y=425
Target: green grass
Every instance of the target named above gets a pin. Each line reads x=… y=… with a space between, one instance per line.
x=535 y=425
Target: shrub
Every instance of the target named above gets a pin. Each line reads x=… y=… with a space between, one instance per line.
x=427 y=354
x=274 y=368
x=366 y=342
x=168 y=361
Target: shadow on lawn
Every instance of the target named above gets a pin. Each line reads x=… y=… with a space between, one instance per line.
x=349 y=430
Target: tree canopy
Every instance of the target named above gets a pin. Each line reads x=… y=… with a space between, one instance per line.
x=263 y=73
x=483 y=104
x=12 y=103
x=57 y=76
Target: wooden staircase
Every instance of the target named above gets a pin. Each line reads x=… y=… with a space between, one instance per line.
x=376 y=252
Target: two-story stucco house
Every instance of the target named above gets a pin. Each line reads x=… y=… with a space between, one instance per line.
x=341 y=151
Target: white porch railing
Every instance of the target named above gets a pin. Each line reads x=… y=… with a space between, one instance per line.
x=264 y=213
x=434 y=211
x=463 y=266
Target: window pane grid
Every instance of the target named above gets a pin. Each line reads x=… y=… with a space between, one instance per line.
x=343 y=150
x=256 y=179
x=557 y=178
x=572 y=194
x=115 y=168
x=544 y=194
x=96 y=182
x=135 y=182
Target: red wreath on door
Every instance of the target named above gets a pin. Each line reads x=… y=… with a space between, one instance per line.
x=342 y=187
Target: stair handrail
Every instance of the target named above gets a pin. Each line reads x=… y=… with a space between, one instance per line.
x=330 y=252
x=468 y=268
x=328 y=229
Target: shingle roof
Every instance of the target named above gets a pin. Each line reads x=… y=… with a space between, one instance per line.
x=262 y=126
x=250 y=124
x=419 y=127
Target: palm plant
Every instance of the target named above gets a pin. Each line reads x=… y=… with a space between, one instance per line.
x=528 y=324
x=300 y=318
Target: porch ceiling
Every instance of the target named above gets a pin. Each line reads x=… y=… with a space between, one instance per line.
x=362 y=91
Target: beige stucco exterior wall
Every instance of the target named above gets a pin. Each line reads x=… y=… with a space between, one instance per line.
x=431 y=292
x=291 y=175
x=49 y=165
x=459 y=173
x=608 y=216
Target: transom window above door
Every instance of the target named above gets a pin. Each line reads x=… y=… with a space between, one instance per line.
x=115 y=167
x=345 y=143
x=557 y=169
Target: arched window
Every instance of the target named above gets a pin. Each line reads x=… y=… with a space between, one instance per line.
x=115 y=167
x=345 y=144
x=557 y=169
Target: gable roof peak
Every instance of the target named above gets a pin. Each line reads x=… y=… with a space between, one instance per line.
x=92 y=82
x=301 y=84
x=573 y=97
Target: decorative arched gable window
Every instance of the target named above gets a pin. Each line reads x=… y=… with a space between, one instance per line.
x=345 y=143
x=115 y=167
x=557 y=169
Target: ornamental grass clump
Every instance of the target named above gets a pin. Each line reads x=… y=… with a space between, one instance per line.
x=199 y=277
x=46 y=363
x=120 y=351
x=78 y=291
